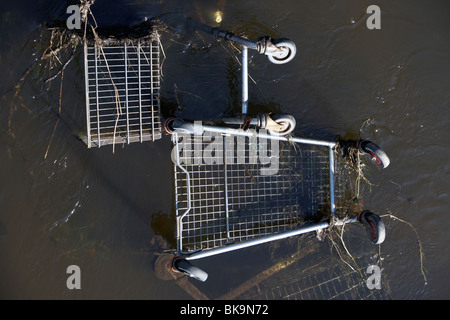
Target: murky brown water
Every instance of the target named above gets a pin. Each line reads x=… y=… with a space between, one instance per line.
x=100 y=210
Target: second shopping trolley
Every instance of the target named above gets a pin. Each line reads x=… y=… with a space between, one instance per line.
x=248 y=181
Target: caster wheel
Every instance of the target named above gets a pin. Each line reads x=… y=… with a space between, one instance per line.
x=287 y=123
x=182 y=265
x=377 y=154
x=374 y=226
x=286 y=51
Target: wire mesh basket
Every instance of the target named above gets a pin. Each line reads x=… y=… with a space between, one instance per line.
x=232 y=198
x=122 y=79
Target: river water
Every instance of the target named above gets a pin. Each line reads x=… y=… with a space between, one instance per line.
x=62 y=204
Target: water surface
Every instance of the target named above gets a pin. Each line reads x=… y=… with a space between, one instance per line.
x=102 y=211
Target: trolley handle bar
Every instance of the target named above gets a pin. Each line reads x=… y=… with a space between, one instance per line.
x=229 y=36
x=224 y=34
x=278 y=236
x=260 y=45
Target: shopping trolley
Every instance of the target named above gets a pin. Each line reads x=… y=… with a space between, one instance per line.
x=249 y=181
x=244 y=182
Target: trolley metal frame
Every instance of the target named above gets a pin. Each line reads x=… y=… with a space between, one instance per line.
x=206 y=228
x=208 y=198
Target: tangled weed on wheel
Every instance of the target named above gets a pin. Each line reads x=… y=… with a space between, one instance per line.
x=356 y=169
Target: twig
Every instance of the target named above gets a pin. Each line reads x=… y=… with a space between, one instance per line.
x=182 y=91
x=116 y=94
x=63 y=67
x=235 y=57
x=421 y=254
x=339 y=252
x=116 y=91
x=12 y=107
x=59 y=113
x=163 y=53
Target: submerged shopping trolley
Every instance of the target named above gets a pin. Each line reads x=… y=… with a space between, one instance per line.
x=248 y=181
x=239 y=184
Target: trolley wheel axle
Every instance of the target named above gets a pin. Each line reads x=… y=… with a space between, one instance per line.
x=168 y=125
x=285 y=124
x=278 y=51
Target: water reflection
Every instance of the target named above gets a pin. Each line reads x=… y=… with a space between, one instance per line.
x=78 y=205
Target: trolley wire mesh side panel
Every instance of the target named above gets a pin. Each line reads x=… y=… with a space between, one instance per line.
x=327 y=279
x=205 y=225
x=232 y=200
x=122 y=92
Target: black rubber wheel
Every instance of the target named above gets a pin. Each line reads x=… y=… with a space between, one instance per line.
x=374 y=226
x=378 y=155
x=286 y=121
x=184 y=266
x=289 y=49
